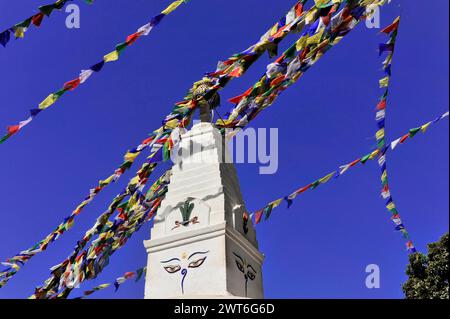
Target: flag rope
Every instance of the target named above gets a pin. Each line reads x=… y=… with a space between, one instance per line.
x=19 y=29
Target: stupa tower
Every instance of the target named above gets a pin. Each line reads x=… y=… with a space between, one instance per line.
x=201 y=244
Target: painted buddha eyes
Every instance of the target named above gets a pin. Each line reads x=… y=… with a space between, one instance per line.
x=197 y=263
x=240 y=266
x=251 y=275
x=172 y=269
x=176 y=263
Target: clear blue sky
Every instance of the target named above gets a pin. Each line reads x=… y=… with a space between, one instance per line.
x=317 y=249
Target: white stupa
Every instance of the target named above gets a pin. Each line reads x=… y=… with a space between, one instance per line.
x=200 y=245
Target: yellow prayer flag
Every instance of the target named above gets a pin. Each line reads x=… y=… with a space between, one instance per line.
x=380 y=134
x=310 y=16
x=276 y=203
x=315 y=38
x=320 y=3
x=103 y=286
x=274 y=29
x=223 y=122
x=259 y=83
x=108 y=180
x=390 y=206
x=384 y=82
x=318 y=56
x=425 y=127
x=134 y=181
x=92 y=255
x=297 y=76
x=70 y=223
x=387 y=61
x=373 y=154
x=20 y=32
x=15 y=266
x=110 y=57
x=130 y=157
x=337 y=40
x=48 y=101
x=172 y=7
x=300 y=44
x=172 y=123
x=326 y=178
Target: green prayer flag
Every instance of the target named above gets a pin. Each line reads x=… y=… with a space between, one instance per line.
x=59 y=5
x=47 y=10
x=121 y=46
x=413 y=131
x=268 y=211
x=315 y=184
x=365 y=158
x=23 y=24
x=126 y=165
x=290 y=52
x=59 y=93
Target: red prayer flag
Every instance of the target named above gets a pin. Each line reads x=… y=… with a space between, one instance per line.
x=37 y=19
x=301 y=190
x=277 y=80
x=391 y=27
x=72 y=85
x=279 y=32
x=237 y=99
x=381 y=105
x=228 y=62
x=326 y=19
x=13 y=129
x=147 y=140
x=236 y=72
x=355 y=162
x=299 y=9
x=304 y=53
x=258 y=216
x=404 y=137
x=132 y=38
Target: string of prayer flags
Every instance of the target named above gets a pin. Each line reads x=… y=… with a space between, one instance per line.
x=412 y=132
x=117 y=283
x=380 y=136
x=19 y=29
x=236 y=65
x=111 y=236
x=239 y=61
x=24 y=256
x=75 y=260
x=179 y=117
x=86 y=74
x=266 y=212
x=322 y=30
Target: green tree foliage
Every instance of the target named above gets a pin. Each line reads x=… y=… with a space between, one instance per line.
x=428 y=275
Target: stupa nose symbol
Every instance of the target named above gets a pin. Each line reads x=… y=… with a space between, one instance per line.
x=183 y=274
